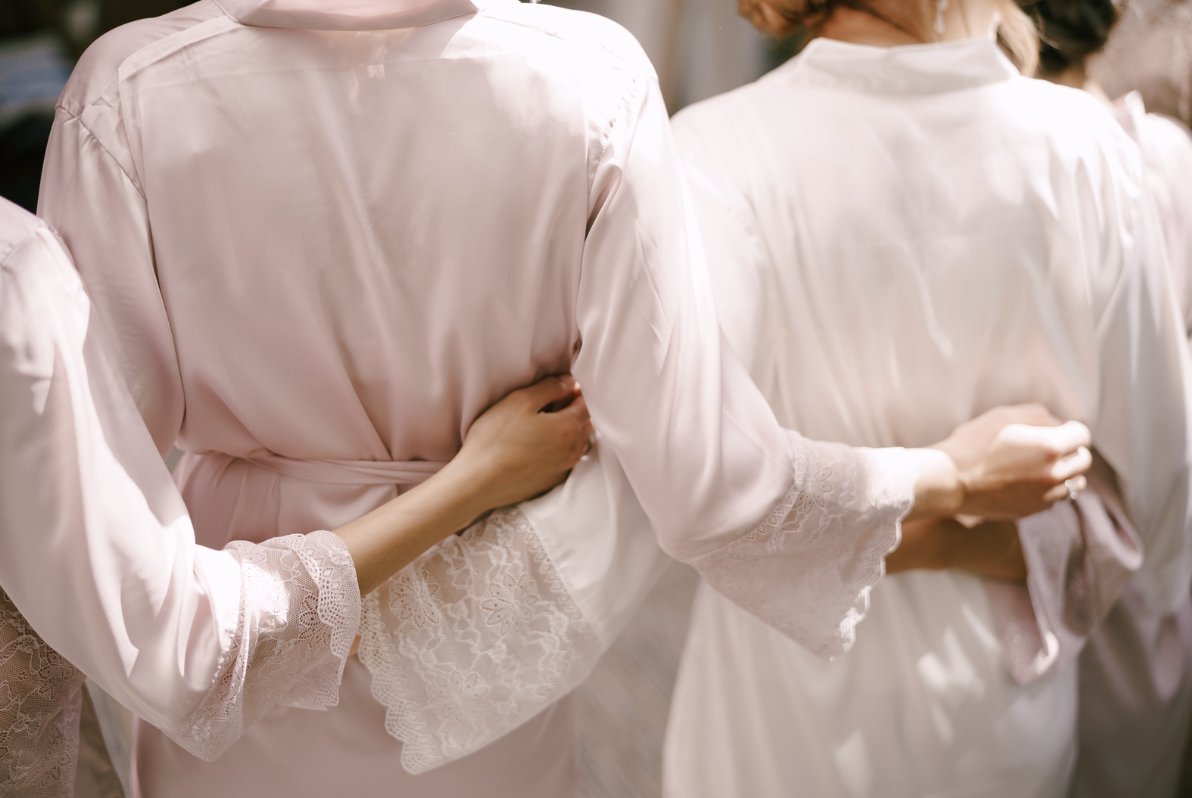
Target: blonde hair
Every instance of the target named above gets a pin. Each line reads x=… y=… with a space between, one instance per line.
x=1018 y=36
x=1016 y=31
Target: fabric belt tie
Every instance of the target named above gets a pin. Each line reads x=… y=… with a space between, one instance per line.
x=351 y=472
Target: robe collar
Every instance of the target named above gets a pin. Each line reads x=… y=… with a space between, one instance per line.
x=1130 y=111
x=347 y=14
x=908 y=69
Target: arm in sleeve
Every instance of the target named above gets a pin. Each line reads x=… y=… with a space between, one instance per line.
x=99 y=555
x=1167 y=154
x=793 y=531
x=489 y=609
x=490 y=628
x=1142 y=427
x=91 y=199
x=737 y=260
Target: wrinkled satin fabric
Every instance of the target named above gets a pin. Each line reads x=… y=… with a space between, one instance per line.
x=1136 y=673
x=900 y=239
x=98 y=564
x=343 y=245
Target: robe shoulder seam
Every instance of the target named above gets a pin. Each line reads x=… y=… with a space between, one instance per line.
x=106 y=150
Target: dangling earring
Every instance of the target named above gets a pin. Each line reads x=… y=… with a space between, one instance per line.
x=940 y=7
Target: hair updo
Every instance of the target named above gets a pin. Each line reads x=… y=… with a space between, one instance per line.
x=784 y=17
x=1016 y=31
x=1071 y=30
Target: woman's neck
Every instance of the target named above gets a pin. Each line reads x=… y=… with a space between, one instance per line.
x=891 y=23
x=1077 y=77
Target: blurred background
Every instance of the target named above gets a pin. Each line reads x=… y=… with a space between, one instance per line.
x=699 y=48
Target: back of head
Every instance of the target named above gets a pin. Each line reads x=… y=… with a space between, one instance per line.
x=1070 y=31
x=1015 y=29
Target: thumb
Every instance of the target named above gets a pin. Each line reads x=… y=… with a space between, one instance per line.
x=549 y=390
x=577 y=408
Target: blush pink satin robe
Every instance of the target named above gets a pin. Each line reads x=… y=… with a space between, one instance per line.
x=326 y=241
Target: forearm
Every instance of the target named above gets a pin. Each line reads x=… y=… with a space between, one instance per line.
x=991 y=549
x=391 y=537
x=525 y=602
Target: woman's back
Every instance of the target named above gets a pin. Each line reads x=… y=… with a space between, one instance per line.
x=932 y=235
x=899 y=240
x=329 y=256
x=325 y=249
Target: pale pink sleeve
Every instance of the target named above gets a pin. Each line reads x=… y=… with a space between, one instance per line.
x=487 y=630
x=1079 y=556
x=97 y=552
x=792 y=530
x=298 y=614
x=90 y=197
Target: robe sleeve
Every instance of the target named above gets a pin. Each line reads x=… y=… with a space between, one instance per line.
x=792 y=530
x=1167 y=151
x=489 y=629
x=736 y=256
x=98 y=554
x=1079 y=556
x=90 y=197
x=1144 y=375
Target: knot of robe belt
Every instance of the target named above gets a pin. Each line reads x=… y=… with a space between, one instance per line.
x=351 y=472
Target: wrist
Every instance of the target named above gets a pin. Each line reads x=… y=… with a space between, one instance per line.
x=472 y=487
x=940 y=488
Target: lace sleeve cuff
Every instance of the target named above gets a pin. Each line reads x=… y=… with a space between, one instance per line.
x=808 y=569
x=473 y=640
x=299 y=613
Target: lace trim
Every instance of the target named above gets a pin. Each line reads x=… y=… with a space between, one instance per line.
x=808 y=569
x=473 y=640
x=40 y=701
x=299 y=613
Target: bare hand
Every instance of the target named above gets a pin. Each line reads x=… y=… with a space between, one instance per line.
x=1014 y=461
x=516 y=450
x=991 y=549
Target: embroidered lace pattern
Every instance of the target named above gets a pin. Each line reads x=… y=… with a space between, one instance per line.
x=473 y=639
x=40 y=699
x=809 y=568
x=299 y=613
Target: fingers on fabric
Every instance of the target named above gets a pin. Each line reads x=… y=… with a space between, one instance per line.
x=577 y=425
x=1073 y=466
x=549 y=391
x=1065 y=489
x=1055 y=443
x=1061 y=452
x=1065 y=439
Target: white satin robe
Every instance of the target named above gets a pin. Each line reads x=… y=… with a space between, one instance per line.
x=327 y=240
x=98 y=563
x=1136 y=673
x=900 y=239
